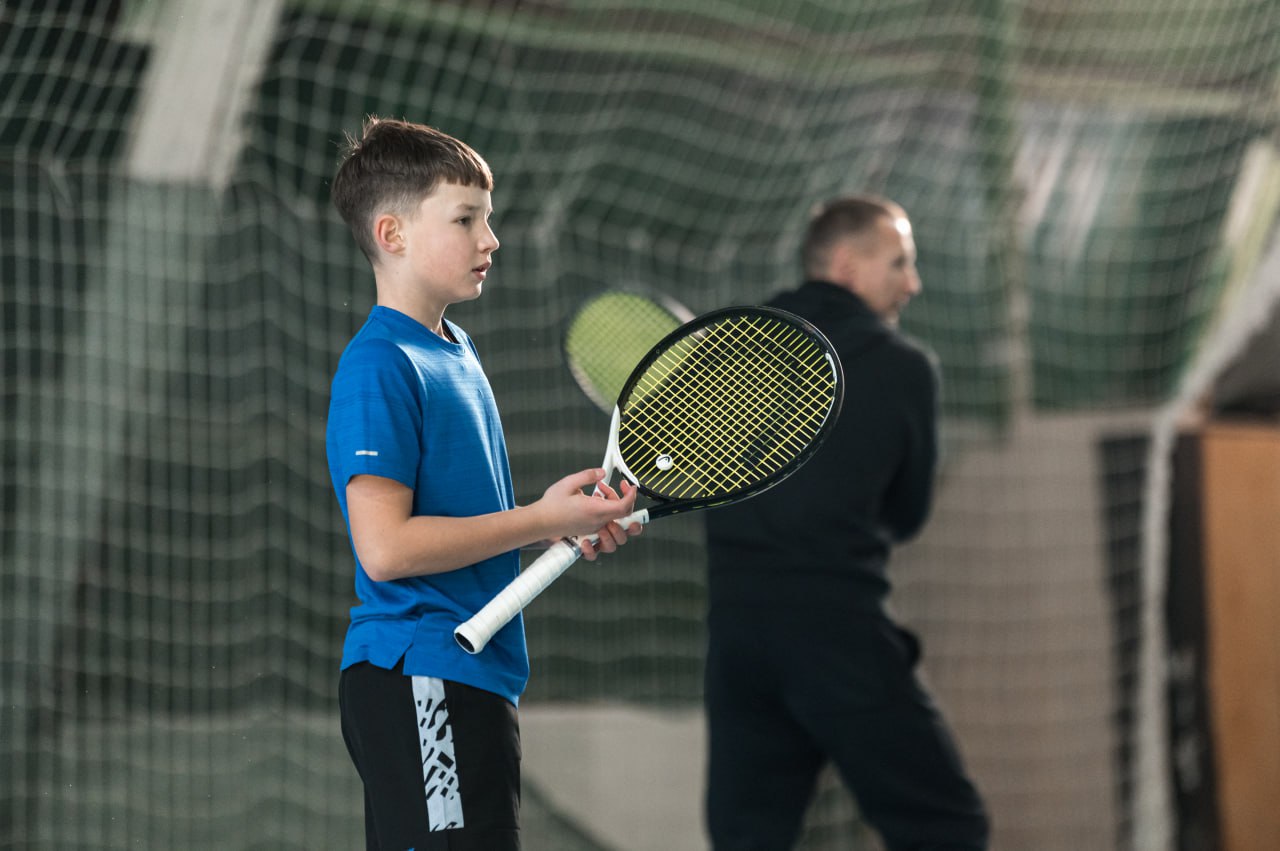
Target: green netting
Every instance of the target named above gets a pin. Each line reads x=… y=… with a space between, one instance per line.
x=175 y=579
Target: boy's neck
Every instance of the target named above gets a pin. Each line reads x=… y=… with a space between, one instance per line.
x=430 y=316
x=431 y=320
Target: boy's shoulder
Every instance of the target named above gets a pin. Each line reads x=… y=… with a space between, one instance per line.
x=373 y=350
x=391 y=341
x=373 y=341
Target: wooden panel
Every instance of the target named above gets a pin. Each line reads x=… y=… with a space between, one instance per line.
x=1241 y=503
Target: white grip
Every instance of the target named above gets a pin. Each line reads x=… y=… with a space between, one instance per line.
x=473 y=635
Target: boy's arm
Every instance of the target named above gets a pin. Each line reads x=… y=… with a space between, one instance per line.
x=391 y=543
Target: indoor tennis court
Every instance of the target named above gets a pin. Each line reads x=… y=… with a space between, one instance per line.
x=1095 y=193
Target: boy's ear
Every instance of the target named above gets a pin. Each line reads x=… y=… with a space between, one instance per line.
x=388 y=233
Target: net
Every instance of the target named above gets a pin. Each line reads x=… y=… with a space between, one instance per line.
x=176 y=291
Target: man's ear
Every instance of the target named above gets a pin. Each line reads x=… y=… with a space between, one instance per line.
x=842 y=262
x=388 y=233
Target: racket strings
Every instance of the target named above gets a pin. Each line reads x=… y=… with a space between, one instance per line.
x=727 y=406
x=724 y=458
x=756 y=392
x=771 y=438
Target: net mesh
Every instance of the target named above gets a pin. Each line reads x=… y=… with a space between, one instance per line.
x=175 y=576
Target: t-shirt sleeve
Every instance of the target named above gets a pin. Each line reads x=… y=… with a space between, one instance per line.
x=375 y=415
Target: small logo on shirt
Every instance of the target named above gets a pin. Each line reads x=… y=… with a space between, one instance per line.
x=372 y=452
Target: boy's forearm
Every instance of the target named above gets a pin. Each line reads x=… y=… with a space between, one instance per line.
x=391 y=543
x=421 y=546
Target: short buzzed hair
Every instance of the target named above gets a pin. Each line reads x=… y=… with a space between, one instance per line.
x=851 y=215
x=392 y=167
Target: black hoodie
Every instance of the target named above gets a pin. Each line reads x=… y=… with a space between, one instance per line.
x=821 y=538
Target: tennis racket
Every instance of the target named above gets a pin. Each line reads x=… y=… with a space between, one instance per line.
x=721 y=409
x=608 y=335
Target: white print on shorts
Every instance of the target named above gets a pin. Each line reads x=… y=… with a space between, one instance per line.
x=439 y=768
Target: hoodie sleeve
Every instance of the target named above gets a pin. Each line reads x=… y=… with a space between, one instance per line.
x=909 y=496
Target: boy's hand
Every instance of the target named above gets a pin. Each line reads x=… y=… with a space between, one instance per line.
x=612 y=535
x=572 y=512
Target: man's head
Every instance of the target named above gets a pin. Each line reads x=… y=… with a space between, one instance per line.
x=392 y=167
x=864 y=244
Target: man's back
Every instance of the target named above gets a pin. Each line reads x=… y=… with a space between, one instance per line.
x=822 y=537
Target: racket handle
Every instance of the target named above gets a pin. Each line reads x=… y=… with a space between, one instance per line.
x=475 y=633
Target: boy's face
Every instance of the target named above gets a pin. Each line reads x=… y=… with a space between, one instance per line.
x=448 y=244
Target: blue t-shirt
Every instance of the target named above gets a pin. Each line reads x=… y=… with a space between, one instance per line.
x=410 y=406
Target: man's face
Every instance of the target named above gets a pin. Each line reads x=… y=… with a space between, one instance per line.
x=880 y=267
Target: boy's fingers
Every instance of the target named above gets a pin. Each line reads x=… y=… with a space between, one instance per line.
x=585 y=477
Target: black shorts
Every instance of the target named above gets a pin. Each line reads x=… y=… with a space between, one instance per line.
x=440 y=761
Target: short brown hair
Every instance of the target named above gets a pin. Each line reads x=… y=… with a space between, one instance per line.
x=393 y=166
x=839 y=218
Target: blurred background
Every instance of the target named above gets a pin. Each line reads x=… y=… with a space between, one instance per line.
x=1094 y=188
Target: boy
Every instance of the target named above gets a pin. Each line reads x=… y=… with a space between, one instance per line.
x=419 y=465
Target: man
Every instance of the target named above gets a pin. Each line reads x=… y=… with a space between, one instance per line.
x=804 y=663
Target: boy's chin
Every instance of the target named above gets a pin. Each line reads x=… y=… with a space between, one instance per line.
x=468 y=295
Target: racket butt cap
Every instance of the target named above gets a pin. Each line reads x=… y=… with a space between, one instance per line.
x=467 y=640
